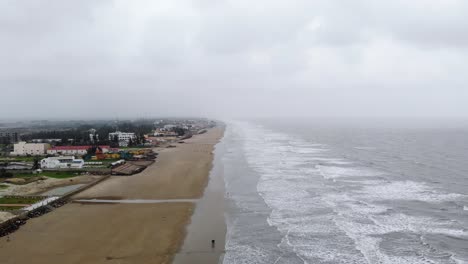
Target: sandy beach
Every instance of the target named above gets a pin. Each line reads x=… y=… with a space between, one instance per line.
x=122 y=232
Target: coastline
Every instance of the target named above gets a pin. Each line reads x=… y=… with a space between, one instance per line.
x=207 y=222
x=118 y=232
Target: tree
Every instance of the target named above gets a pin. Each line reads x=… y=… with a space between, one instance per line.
x=36 y=163
x=5 y=174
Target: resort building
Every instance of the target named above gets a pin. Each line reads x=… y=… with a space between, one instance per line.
x=122 y=137
x=62 y=162
x=74 y=150
x=23 y=149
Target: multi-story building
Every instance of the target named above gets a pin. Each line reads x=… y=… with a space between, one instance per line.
x=122 y=137
x=8 y=137
x=74 y=150
x=23 y=149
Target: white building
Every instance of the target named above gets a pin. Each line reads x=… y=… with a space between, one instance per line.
x=74 y=150
x=123 y=137
x=23 y=149
x=62 y=162
x=169 y=127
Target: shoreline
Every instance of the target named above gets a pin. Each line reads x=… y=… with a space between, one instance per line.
x=207 y=222
x=123 y=232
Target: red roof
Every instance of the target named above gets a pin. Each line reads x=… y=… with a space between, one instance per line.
x=76 y=147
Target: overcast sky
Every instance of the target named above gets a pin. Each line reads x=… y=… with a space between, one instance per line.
x=225 y=58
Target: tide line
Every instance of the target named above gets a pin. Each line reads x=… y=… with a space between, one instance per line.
x=136 y=201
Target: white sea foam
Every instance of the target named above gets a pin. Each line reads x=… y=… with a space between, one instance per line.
x=406 y=190
x=322 y=223
x=331 y=161
x=333 y=172
x=365 y=148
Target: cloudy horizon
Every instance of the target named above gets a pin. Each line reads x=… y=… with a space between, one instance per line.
x=303 y=58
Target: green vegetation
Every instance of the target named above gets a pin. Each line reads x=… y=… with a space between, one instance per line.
x=51 y=174
x=3 y=186
x=19 y=200
x=60 y=174
x=24 y=175
x=22 y=158
x=11 y=208
x=5 y=174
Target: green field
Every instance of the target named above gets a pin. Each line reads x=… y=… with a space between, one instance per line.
x=61 y=174
x=10 y=208
x=51 y=174
x=22 y=158
x=19 y=200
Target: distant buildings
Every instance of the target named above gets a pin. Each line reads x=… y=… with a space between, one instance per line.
x=48 y=140
x=7 y=137
x=164 y=133
x=62 y=162
x=23 y=149
x=169 y=127
x=122 y=138
x=74 y=150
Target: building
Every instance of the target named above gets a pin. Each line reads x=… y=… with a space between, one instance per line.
x=62 y=162
x=122 y=137
x=8 y=137
x=74 y=150
x=47 y=140
x=169 y=127
x=23 y=149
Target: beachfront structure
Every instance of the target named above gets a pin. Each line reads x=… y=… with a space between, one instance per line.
x=122 y=137
x=74 y=150
x=23 y=149
x=62 y=162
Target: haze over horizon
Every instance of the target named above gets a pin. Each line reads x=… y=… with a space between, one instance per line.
x=83 y=59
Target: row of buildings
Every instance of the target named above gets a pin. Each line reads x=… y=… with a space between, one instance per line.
x=38 y=149
x=33 y=149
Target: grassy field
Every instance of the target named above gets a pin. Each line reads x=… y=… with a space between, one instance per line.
x=19 y=200
x=60 y=174
x=21 y=158
x=51 y=174
x=10 y=208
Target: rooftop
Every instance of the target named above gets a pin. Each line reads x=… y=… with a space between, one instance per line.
x=76 y=147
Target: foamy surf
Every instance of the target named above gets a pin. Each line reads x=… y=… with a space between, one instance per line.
x=329 y=209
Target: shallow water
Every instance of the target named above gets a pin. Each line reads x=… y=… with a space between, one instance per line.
x=207 y=223
x=302 y=194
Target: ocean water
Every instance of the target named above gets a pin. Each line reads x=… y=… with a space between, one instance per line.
x=308 y=193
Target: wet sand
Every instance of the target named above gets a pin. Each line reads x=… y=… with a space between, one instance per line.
x=122 y=232
x=207 y=222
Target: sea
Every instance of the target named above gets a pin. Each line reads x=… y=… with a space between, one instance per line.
x=304 y=191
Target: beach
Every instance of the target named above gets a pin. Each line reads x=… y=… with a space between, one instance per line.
x=115 y=232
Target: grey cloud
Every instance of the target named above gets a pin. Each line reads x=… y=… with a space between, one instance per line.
x=233 y=58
